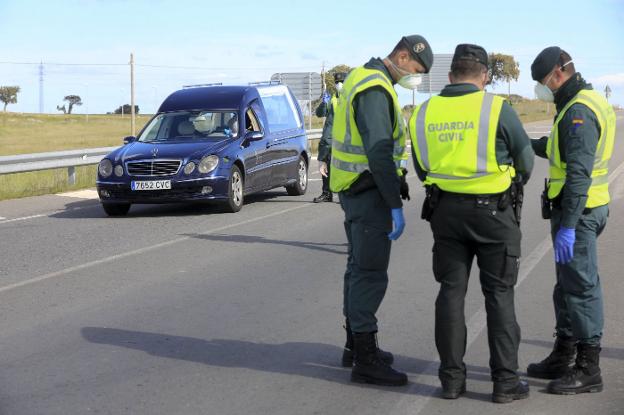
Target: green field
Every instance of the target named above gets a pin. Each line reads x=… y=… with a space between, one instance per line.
x=37 y=133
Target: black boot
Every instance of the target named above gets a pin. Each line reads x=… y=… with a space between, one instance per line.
x=347 y=353
x=368 y=367
x=557 y=363
x=508 y=394
x=324 y=197
x=584 y=375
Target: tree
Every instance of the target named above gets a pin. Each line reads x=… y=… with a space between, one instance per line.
x=126 y=109
x=329 y=77
x=72 y=100
x=59 y=108
x=503 y=68
x=8 y=95
x=329 y=81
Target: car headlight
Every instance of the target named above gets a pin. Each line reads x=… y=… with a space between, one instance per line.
x=189 y=168
x=118 y=170
x=105 y=168
x=208 y=164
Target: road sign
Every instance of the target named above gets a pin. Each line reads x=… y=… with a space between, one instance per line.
x=437 y=78
x=305 y=85
x=607 y=92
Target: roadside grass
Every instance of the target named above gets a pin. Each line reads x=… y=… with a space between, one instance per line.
x=38 y=133
x=13 y=186
x=35 y=133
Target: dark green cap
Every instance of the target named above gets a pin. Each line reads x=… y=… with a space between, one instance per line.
x=340 y=76
x=468 y=52
x=545 y=62
x=419 y=49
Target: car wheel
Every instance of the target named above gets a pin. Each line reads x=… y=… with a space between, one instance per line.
x=301 y=185
x=235 y=191
x=116 y=209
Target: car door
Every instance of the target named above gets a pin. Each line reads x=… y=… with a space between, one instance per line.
x=257 y=162
x=285 y=124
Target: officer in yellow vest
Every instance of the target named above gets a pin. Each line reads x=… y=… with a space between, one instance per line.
x=576 y=201
x=326 y=109
x=473 y=155
x=368 y=146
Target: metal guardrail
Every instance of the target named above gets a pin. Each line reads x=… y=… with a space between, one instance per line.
x=70 y=159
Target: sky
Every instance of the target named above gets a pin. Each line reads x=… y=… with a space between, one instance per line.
x=85 y=45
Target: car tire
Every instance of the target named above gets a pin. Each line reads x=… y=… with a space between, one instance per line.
x=116 y=209
x=235 y=191
x=301 y=185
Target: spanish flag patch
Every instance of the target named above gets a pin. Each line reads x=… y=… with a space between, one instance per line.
x=576 y=124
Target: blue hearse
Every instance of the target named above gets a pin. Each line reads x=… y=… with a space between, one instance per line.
x=210 y=143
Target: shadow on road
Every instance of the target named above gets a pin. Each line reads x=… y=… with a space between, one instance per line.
x=91 y=209
x=607 y=352
x=313 y=360
x=251 y=239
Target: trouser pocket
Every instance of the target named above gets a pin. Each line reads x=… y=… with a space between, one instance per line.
x=371 y=247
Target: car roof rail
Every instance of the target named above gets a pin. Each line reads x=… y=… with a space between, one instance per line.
x=271 y=82
x=203 y=85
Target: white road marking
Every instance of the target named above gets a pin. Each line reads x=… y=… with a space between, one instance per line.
x=418 y=394
x=20 y=219
x=2 y=218
x=81 y=194
x=141 y=250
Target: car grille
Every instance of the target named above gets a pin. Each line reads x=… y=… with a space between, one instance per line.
x=153 y=167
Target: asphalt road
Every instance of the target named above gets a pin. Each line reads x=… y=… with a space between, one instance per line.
x=179 y=309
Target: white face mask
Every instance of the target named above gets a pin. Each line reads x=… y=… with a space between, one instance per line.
x=409 y=80
x=542 y=92
x=339 y=86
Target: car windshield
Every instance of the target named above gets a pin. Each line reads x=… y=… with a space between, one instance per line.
x=191 y=125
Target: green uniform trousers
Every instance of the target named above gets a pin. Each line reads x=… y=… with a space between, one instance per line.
x=578 y=295
x=464 y=227
x=367 y=223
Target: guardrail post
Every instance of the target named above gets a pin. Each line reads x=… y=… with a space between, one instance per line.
x=71 y=175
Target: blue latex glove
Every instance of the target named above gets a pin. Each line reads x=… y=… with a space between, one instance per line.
x=398 y=223
x=326 y=97
x=564 y=245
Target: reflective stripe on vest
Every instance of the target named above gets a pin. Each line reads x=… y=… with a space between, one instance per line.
x=457 y=174
x=598 y=193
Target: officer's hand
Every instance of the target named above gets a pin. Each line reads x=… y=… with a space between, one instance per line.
x=564 y=245
x=404 y=186
x=326 y=97
x=323 y=168
x=398 y=224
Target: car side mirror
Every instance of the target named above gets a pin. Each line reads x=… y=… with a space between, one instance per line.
x=129 y=139
x=254 y=136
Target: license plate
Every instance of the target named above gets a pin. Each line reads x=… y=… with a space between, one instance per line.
x=151 y=185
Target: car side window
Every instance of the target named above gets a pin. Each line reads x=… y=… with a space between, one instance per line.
x=281 y=112
x=251 y=122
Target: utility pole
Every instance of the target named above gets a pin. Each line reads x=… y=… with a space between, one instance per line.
x=132 y=114
x=41 y=87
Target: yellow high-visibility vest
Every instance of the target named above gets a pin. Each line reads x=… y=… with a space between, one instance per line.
x=349 y=158
x=454 y=139
x=598 y=193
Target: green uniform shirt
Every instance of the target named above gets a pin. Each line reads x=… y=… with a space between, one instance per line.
x=513 y=145
x=373 y=110
x=324 y=148
x=577 y=146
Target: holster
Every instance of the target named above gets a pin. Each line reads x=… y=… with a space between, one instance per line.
x=432 y=198
x=517 y=198
x=364 y=182
x=546 y=202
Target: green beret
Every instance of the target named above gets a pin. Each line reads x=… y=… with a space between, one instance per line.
x=545 y=62
x=420 y=50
